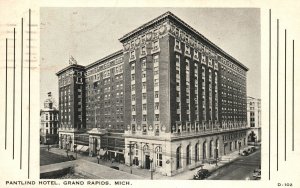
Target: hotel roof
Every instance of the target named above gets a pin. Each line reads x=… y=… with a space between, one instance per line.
x=171 y=16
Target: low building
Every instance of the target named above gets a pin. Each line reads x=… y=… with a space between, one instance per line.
x=254 y=119
x=49 y=122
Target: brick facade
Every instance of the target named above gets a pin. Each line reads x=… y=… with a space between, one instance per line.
x=183 y=98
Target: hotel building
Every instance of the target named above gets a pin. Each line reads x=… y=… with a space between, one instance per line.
x=170 y=100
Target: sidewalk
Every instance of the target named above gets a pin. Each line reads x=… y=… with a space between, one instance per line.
x=146 y=174
x=188 y=175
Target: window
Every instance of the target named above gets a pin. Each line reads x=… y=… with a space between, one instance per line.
x=187 y=50
x=143 y=50
x=211 y=149
x=178 y=157
x=188 y=155
x=177 y=60
x=156 y=94
x=144 y=107
x=156 y=117
x=176 y=31
x=144 y=117
x=155 y=45
x=155 y=59
x=210 y=62
x=133 y=108
x=177 y=44
x=144 y=85
x=133 y=97
x=158 y=156
x=144 y=63
x=132 y=66
x=195 y=54
x=155 y=71
x=156 y=106
x=203 y=59
x=144 y=96
x=197 y=152
x=204 y=150
x=144 y=128
x=143 y=38
x=133 y=77
x=177 y=105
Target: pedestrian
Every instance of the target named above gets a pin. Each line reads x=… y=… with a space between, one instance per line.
x=98 y=158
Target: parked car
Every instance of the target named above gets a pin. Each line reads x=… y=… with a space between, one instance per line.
x=115 y=167
x=245 y=153
x=257 y=173
x=253 y=149
x=72 y=158
x=201 y=174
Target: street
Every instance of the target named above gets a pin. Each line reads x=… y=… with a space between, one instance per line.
x=47 y=157
x=240 y=169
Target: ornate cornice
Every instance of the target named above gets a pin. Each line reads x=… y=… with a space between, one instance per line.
x=171 y=17
x=113 y=55
x=69 y=67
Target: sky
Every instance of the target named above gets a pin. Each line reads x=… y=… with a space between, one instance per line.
x=89 y=34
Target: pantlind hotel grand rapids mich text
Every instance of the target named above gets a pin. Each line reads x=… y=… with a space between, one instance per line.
x=170 y=98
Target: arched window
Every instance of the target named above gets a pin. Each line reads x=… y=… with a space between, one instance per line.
x=211 y=149
x=158 y=152
x=204 y=150
x=178 y=157
x=188 y=155
x=197 y=152
x=146 y=148
x=217 y=148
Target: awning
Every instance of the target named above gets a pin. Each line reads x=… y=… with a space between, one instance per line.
x=79 y=147
x=102 y=152
x=84 y=148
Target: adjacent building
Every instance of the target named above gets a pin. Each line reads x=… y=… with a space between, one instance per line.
x=170 y=100
x=49 y=122
x=254 y=119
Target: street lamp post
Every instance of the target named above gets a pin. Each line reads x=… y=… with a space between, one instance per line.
x=239 y=147
x=67 y=149
x=75 y=150
x=48 y=143
x=216 y=154
x=98 y=155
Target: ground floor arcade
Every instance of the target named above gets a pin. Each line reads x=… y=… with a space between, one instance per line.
x=170 y=157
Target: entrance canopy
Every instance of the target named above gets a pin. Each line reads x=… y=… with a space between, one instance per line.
x=82 y=148
x=102 y=152
x=97 y=131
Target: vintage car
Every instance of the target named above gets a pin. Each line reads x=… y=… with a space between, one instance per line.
x=201 y=174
